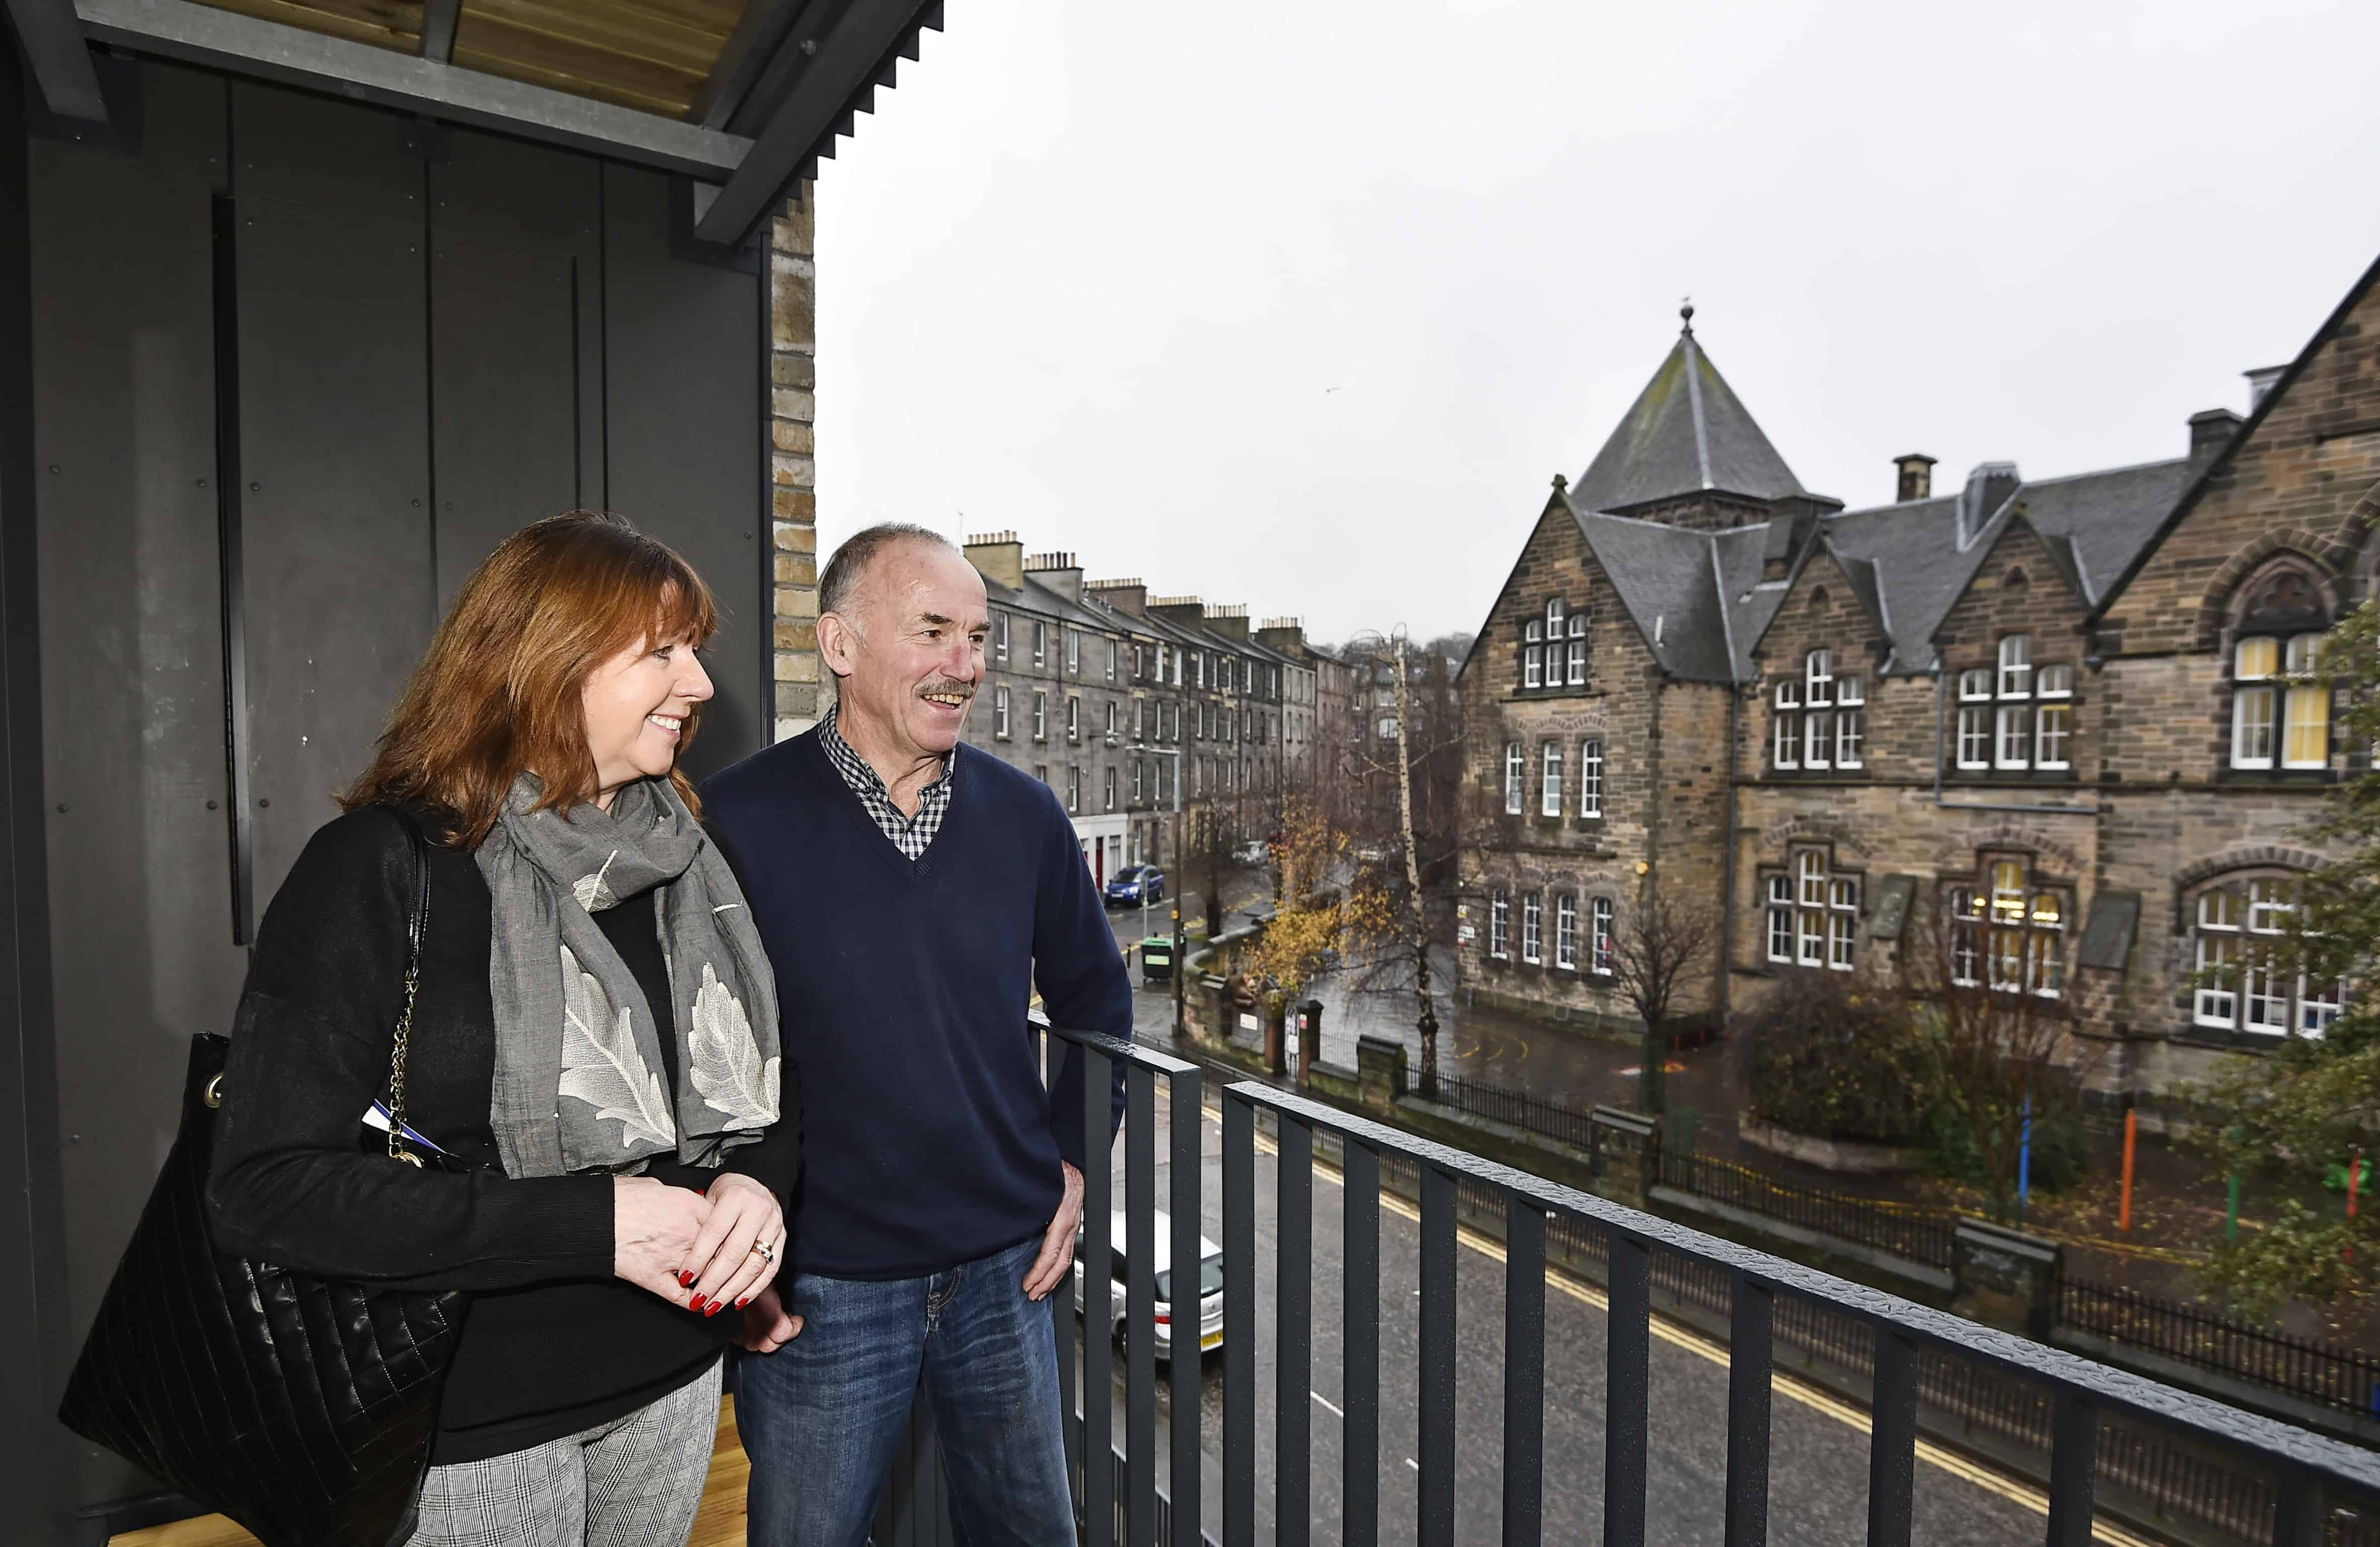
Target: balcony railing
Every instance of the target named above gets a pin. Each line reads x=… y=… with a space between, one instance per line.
x=2305 y=1477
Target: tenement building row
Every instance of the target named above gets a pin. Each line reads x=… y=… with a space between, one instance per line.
x=1158 y=719
x=2054 y=732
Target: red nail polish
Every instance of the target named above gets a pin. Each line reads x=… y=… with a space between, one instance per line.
x=686 y=1281
x=744 y=1301
x=695 y=1304
x=713 y=1311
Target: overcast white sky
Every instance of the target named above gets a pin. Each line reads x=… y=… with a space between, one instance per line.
x=1301 y=303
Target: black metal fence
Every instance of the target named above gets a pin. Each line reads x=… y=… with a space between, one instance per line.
x=2160 y=1476
x=2327 y=1373
x=2097 y=1425
x=1549 y=1119
x=1922 y=1236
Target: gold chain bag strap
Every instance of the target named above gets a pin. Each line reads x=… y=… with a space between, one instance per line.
x=301 y=1406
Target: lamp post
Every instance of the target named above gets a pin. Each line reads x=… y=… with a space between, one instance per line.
x=1176 y=755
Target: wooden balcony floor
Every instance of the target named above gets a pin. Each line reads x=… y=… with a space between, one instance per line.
x=720 y=1522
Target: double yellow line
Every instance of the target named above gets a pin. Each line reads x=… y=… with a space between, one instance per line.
x=1784 y=1384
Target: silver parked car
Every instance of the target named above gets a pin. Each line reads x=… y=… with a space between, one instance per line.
x=1211 y=1284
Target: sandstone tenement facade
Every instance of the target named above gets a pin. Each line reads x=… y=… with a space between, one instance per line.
x=2053 y=733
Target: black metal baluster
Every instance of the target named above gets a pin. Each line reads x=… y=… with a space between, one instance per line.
x=2073 y=1470
x=1749 y=1348
x=1294 y=1336
x=1627 y=1393
x=2300 y=1513
x=1892 y=1442
x=1239 y=1317
x=1524 y=1372
x=1187 y=1116
x=1140 y=1305
x=1359 y=1304
x=1062 y=1305
x=1435 y=1513
x=1099 y=1300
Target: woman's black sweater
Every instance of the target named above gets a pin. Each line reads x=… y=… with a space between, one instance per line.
x=552 y=1343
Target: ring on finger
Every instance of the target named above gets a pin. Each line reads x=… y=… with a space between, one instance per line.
x=767 y=1253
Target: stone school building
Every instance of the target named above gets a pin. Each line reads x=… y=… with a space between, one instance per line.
x=2060 y=711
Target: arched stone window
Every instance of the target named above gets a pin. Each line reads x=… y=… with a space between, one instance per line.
x=2242 y=978
x=2280 y=716
x=2007 y=928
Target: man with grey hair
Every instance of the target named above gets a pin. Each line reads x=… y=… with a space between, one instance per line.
x=913 y=893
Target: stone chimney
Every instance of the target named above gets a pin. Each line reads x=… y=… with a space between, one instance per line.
x=1180 y=611
x=1127 y=596
x=1283 y=637
x=2210 y=431
x=1059 y=572
x=1232 y=623
x=999 y=557
x=1916 y=478
x=1990 y=487
x=2259 y=381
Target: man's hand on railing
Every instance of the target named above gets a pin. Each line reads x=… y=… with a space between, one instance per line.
x=1058 y=1243
x=767 y=1327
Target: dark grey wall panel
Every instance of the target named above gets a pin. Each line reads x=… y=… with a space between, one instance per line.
x=688 y=455
x=515 y=315
x=334 y=446
x=132 y=681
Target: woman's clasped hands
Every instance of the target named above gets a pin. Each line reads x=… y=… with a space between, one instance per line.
x=705 y=1251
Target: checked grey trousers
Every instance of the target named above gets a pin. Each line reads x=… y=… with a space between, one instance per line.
x=635 y=1481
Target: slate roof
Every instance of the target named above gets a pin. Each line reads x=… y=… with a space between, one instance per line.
x=1686 y=432
x=1667 y=578
x=1698 y=599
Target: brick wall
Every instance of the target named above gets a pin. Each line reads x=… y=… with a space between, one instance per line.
x=792 y=378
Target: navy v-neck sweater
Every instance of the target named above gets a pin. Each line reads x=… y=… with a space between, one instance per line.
x=927 y=1137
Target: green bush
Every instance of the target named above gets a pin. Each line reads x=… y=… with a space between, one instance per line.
x=1834 y=1058
x=2061 y=1148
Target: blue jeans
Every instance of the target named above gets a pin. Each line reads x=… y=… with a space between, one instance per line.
x=822 y=1416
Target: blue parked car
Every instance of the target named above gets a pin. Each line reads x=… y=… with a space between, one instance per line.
x=1125 y=885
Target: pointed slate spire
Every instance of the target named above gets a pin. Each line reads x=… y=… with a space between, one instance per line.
x=1687 y=434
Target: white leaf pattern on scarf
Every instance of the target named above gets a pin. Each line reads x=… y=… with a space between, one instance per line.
x=725 y=1063
x=607 y=1072
x=592 y=893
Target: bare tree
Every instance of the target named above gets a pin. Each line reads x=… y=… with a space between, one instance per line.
x=1992 y=994
x=1661 y=948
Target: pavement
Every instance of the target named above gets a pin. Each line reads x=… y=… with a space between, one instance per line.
x=1818 y=1467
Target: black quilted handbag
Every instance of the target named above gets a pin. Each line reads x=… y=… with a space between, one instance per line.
x=302 y=1407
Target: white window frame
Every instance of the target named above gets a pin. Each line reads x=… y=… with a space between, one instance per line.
x=1110 y=789
x=2015 y=679
x=1073 y=716
x=1074 y=787
x=1516 y=769
x=2013 y=737
x=1599 y=941
x=1974 y=736
x=1040 y=643
x=1785 y=751
x=1115 y=649
x=1549 y=779
x=1851 y=735
x=1577 y=649
x=1818 y=678
x=1566 y=932
x=2053 y=728
x=1818 y=738
x=1780 y=918
x=1590 y=776
x=1499 y=925
x=1533 y=928
x=1000 y=635
x=1074 y=652
x=1040 y=715
x=1533 y=655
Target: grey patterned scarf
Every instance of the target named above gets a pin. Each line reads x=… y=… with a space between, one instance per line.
x=578 y=1082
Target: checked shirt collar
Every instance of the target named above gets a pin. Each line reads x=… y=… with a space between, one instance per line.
x=911 y=835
